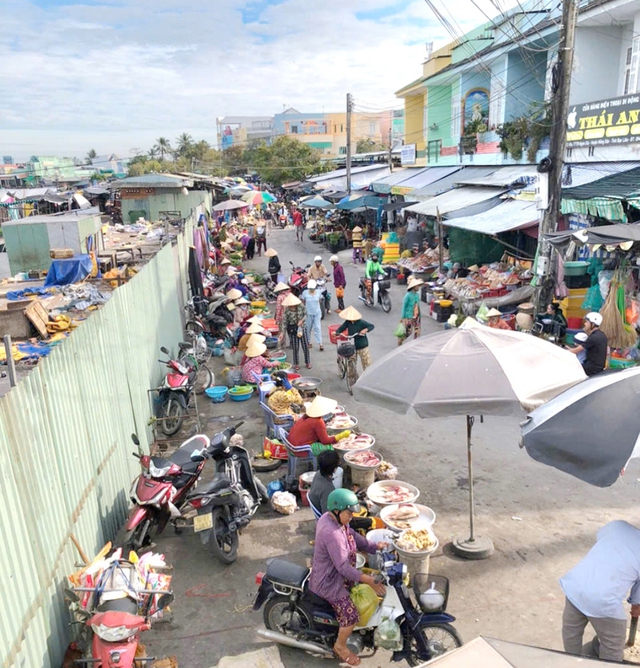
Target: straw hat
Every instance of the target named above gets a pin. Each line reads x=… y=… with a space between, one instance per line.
x=234 y=293
x=414 y=283
x=255 y=339
x=357 y=228
x=350 y=313
x=280 y=287
x=270 y=252
x=231 y=271
x=321 y=406
x=493 y=312
x=225 y=261
x=241 y=301
x=255 y=349
x=231 y=307
x=254 y=319
x=255 y=328
x=291 y=300
x=473 y=268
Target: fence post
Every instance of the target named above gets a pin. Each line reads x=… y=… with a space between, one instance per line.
x=11 y=364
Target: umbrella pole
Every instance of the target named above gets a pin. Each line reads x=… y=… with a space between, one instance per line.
x=474 y=547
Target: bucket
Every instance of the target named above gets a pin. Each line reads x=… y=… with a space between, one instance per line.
x=574 y=323
x=416 y=564
x=363 y=478
x=304 y=485
x=233 y=376
x=527 y=308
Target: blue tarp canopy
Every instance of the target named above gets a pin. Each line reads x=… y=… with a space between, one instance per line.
x=71 y=270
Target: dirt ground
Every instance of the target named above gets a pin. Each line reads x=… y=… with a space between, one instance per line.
x=541 y=521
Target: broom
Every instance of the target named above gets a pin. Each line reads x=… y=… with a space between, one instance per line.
x=619 y=332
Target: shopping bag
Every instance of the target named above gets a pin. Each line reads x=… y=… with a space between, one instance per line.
x=365 y=600
x=388 y=635
x=274 y=449
x=339 y=293
x=400 y=331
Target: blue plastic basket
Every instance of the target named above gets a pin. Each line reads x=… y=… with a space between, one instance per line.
x=217 y=394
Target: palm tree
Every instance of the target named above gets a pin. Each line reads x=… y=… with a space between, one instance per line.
x=163 y=145
x=91 y=155
x=185 y=142
x=153 y=152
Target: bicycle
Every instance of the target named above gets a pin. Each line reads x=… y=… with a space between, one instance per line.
x=347 y=361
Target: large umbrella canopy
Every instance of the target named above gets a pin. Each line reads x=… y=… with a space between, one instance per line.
x=591 y=430
x=229 y=205
x=471 y=370
x=258 y=197
x=316 y=203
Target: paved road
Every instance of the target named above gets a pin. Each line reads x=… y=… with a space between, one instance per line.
x=541 y=521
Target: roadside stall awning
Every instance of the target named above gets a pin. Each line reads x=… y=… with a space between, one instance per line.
x=503 y=176
x=449 y=181
x=361 y=177
x=465 y=201
x=509 y=215
x=384 y=184
x=607 y=235
x=421 y=178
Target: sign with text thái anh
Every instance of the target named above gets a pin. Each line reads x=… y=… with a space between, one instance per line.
x=606 y=122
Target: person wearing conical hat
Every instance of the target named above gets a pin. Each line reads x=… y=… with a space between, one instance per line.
x=355 y=326
x=294 y=323
x=410 y=317
x=250 y=332
x=282 y=291
x=494 y=320
x=256 y=362
x=311 y=429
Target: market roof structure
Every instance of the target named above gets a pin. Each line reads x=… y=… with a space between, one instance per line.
x=509 y=215
x=619 y=186
x=154 y=181
x=504 y=176
x=423 y=177
x=447 y=182
x=384 y=184
x=466 y=201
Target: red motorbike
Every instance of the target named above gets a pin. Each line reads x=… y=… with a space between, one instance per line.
x=160 y=491
x=298 y=279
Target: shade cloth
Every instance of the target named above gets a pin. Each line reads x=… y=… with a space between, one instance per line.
x=69 y=270
x=503 y=176
x=508 y=215
x=456 y=200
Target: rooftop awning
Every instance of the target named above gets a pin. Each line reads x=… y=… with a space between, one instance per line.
x=619 y=186
x=456 y=201
x=449 y=181
x=384 y=184
x=509 y=215
x=421 y=178
x=361 y=178
x=607 y=235
x=503 y=176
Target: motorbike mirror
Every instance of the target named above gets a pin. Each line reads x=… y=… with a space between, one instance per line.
x=164 y=350
x=71 y=595
x=135 y=439
x=165 y=600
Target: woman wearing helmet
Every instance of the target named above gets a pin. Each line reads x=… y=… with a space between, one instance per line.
x=333 y=570
x=372 y=270
x=595 y=345
x=317 y=271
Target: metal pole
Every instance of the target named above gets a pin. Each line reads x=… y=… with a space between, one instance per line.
x=11 y=364
x=470 y=463
x=557 y=142
x=349 y=106
x=390 y=148
x=440 y=241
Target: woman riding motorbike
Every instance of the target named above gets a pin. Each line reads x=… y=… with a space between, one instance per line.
x=333 y=571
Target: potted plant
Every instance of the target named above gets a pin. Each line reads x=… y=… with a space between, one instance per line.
x=333 y=241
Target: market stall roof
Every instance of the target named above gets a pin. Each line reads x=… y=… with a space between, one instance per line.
x=384 y=184
x=361 y=177
x=504 y=176
x=94 y=191
x=511 y=214
x=449 y=181
x=155 y=181
x=420 y=178
x=618 y=186
x=607 y=235
x=465 y=201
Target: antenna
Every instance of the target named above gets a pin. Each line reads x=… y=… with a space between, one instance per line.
x=429 y=46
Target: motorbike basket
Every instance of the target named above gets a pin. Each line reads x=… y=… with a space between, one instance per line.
x=423 y=582
x=346 y=349
x=384 y=285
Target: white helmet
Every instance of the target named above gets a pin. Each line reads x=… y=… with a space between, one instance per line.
x=333 y=258
x=312 y=284
x=594 y=318
x=317 y=258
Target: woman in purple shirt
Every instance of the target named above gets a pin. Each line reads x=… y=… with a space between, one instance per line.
x=333 y=571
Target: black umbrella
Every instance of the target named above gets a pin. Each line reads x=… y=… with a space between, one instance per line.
x=591 y=430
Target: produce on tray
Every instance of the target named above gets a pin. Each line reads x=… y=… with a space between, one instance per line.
x=364 y=458
x=405 y=511
x=393 y=494
x=416 y=540
x=355 y=442
x=341 y=421
x=386 y=471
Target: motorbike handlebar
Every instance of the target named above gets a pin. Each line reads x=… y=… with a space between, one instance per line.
x=137 y=455
x=239 y=424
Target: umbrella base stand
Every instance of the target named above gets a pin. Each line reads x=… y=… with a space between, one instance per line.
x=481 y=547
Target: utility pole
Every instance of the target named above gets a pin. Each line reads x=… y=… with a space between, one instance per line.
x=561 y=88
x=349 y=108
x=390 y=149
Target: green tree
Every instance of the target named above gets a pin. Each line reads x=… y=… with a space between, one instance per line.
x=164 y=146
x=153 y=152
x=233 y=160
x=91 y=155
x=185 y=142
x=137 y=168
x=369 y=146
x=287 y=159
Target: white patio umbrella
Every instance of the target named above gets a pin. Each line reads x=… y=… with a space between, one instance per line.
x=472 y=370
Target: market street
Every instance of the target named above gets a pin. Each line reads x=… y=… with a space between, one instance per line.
x=542 y=521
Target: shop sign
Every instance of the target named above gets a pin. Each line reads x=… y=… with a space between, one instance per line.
x=604 y=123
x=408 y=154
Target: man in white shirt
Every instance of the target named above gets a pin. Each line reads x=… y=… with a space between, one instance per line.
x=596 y=588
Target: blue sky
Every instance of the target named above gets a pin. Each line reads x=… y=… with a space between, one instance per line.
x=116 y=74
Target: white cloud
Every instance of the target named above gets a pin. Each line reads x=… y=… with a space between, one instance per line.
x=116 y=75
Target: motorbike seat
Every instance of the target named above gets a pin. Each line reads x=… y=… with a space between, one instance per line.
x=220 y=481
x=161 y=462
x=285 y=573
x=182 y=456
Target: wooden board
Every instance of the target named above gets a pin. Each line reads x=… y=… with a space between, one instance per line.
x=39 y=316
x=17 y=304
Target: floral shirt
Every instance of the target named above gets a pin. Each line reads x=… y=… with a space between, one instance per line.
x=256 y=365
x=279 y=307
x=293 y=315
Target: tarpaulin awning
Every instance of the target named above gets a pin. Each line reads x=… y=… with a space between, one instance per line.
x=361 y=178
x=384 y=184
x=449 y=181
x=457 y=200
x=509 y=215
x=94 y=191
x=599 y=207
x=422 y=178
x=69 y=270
x=504 y=176
x=602 y=234
x=619 y=186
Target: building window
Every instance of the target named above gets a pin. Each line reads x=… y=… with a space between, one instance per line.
x=632 y=63
x=294 y=129
x=627 y=72
x=433 y=150
x=342 y=150
x=569 y=152
x=372 y=128
x=592 y=151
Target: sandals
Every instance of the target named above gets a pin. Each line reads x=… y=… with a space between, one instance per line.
x=321 y=347
x=308 y=366
x=296 y=368
x=350 y=658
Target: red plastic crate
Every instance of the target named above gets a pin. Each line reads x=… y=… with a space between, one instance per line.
x=495 y=293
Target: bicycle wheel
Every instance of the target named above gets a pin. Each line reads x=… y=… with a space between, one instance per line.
x=204 y=379
x=194 y=329
x=342 y=367
x=352 y=374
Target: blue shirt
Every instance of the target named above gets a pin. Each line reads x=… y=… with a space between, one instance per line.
x=598 y=585
x=312 y=301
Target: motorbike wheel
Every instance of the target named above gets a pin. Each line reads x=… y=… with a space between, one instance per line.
x=204 y=379
x=173 y=414
x=262 y=490
x=223 y=543
x=440 y=638
x=138 y=537
x=264 y=464
x=386 y=303
x=194 y=328
x=279 y=617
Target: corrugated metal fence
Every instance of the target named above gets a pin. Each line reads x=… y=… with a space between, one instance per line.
x=65 y=451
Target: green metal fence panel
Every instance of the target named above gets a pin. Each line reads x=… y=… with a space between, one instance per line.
x=65 y=450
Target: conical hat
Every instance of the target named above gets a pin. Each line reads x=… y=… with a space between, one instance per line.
x=241 y=301
x=255 y=339
x=255 y=349
x=357 y=228
x=493 y=312
x=254 y=318
x=255 y=328
x=270 y=252
x=234 y=293
x=321 y=406
x=281 y=286
x=350 y=313
x=226 y=260
x=414 y=283
x=291 y=300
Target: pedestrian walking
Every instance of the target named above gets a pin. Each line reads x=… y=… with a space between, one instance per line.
x=274 y=264
x=283 y=291
x=357 y=327
x=318 y=271
x=411 y=310
x=294 y=322
x=251 y=244
x=298 y=223
x=311 y=298
x=597 y=587
x=261 y=237
x=339 y=280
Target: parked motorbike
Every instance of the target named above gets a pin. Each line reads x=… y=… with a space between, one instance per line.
x=298 y=279
x=160 y=491
x=226 y=504
x=380 y=293
x=296 y=617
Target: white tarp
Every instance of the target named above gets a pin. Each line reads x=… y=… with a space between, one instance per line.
x=503 y=176
x=456 y=200
x=509 y=215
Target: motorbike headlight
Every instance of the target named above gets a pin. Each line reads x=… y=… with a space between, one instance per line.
x=113 y=633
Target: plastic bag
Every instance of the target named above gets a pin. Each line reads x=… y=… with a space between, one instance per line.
x=400 y=331
x=365 y=600
x=284 y=503
x=632 y=313
x=482 y=313
x=388 y=635
x=593 y=299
